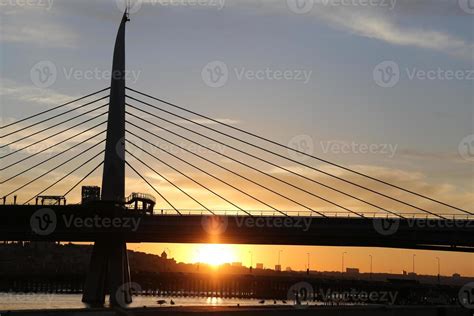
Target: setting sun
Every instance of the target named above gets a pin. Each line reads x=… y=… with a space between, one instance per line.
x=214 y=254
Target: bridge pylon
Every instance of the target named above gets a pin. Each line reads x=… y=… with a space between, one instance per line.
x=109 y=268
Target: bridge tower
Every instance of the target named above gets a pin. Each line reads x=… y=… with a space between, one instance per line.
x=109 y=268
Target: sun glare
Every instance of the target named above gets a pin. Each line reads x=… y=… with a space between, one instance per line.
x=215 y=254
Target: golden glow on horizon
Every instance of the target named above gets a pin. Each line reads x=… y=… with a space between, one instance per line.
x=321 y=258
x=215 y=255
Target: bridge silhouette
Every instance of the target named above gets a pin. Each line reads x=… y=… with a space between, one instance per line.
x=133 y=119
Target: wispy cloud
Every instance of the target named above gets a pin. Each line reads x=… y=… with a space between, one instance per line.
x=381 y=27
x=44 y=31
x=208 y=122
x=30 y=93
x=53 y=35
x=440 y=156
x=382 y=23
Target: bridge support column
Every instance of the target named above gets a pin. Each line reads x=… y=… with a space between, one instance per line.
x=109 y=274
x=119 y=275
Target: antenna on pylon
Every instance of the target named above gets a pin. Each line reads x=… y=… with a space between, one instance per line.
x=127 y=9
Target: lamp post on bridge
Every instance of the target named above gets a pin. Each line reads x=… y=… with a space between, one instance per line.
x=439 y=269
x=308 y=268
x=370 y=276
x=251 y=261
x=199 y=258
x=342 y=268
x=414 y=255
x=279 y=257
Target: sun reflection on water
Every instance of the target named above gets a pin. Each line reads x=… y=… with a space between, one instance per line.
x=214 y=301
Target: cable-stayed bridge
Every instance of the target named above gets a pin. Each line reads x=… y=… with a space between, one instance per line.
x=121 y=130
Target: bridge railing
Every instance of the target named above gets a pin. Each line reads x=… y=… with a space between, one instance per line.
x=140 y=196
x=190 y=212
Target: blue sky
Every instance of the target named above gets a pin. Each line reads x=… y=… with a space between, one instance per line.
x=425 y=122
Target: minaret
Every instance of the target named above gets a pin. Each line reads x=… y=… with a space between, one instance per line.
x=109 y=268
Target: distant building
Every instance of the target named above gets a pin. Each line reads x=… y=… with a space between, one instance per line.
x=288 y=269
x=456 y=276
x=260 y=266
x=278 y=267
x=90 y=193
x=352 y=271
x=237 y=264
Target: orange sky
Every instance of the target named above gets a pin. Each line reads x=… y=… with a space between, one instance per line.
x=328 y=258
x=322 y=258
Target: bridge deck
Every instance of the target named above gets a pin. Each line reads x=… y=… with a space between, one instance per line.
x=95 y=222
